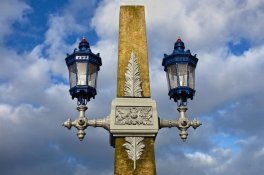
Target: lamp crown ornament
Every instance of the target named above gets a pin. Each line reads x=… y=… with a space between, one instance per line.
x=84 y=45
x=179 y=45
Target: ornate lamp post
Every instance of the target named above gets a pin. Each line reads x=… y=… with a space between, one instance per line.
x=83 y=68
x=133 y=122
x=180 y=69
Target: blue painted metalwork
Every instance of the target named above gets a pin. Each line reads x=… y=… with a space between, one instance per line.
x=180 y=93
x=83 y=92
x=179 y=55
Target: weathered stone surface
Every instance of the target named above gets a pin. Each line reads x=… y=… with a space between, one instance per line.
x=132 y=37
x=145 y=165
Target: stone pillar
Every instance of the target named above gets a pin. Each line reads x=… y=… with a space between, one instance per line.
x=132 y=38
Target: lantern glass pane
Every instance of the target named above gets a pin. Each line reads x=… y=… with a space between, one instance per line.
x=168 y=81
x=81 y=69
x=72 y=75
x=191 y=70
x=92 y=75
x=182 y=74
x=171 y=76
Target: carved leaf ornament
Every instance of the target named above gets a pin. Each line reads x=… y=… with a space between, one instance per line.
x=132 y=76
x=134 y=147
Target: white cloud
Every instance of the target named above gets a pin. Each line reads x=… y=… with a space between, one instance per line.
x=5 y=110
x=201 y=159
x=10 y=12
x=222 y=151
x=228 y=78
x=20 y=113
x=105 y=20
x=259 y=153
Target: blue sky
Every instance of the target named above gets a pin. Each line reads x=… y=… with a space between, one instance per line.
x=227 y=37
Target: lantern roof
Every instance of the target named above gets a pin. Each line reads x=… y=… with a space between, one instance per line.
x=179 y=54
x=84 y=53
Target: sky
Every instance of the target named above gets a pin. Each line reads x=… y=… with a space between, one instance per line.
x=226 y=35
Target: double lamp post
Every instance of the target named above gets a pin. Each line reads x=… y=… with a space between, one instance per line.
x=84 y=65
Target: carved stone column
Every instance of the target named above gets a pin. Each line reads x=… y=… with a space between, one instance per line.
x=132 y=37
x=133 y=127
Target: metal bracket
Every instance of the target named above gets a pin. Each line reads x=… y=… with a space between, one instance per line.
x=182 y=123
x=81 y=123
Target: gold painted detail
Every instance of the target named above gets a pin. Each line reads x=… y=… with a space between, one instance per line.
x=132 y=77
x=134 y=147
x=132 y=37
x=136 y=115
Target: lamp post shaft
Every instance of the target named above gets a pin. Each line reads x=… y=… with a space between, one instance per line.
x=132 y=38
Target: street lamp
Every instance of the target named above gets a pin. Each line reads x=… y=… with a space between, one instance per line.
x=180 y=69
x=83 y=68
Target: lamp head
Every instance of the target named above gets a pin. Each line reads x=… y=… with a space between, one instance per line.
x=180 y=69
x=83 y=66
